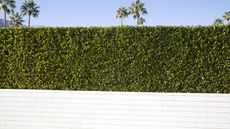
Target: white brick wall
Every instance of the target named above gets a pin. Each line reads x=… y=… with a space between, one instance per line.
x=30 y=109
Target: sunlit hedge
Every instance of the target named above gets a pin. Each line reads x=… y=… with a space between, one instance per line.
x=148 y=59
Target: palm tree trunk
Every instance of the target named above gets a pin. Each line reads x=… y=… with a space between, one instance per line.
x=29 y=22
x=5 y=19
x=121 y=22
x=137 y=21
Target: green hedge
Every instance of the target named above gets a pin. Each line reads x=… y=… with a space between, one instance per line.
x=148 y=59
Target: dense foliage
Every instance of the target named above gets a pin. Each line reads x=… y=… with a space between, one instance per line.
x=149 y=59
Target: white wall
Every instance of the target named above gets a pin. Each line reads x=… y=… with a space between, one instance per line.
x=30 y=109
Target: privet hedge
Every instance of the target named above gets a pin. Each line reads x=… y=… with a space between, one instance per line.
x=149 y=59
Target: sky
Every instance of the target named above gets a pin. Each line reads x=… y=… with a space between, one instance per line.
x=74 y=13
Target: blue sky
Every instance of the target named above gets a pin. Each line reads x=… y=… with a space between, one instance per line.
x=103 y=12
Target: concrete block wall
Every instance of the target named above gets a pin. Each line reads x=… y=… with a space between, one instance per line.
x=32 y=109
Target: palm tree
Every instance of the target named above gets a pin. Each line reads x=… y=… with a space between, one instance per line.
x=137 y=9
x=16 y=20
x=218 y=21
x=122 y=13
x=30 y=8
x=140 y=21
x=227 y=16
x=7 y=6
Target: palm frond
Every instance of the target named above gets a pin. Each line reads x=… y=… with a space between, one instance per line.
x=137 y=8
x=7 y=5
x=16 y=20
x=30 y=8
x=140 y=21
x=227 y=16
x=122 y=13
